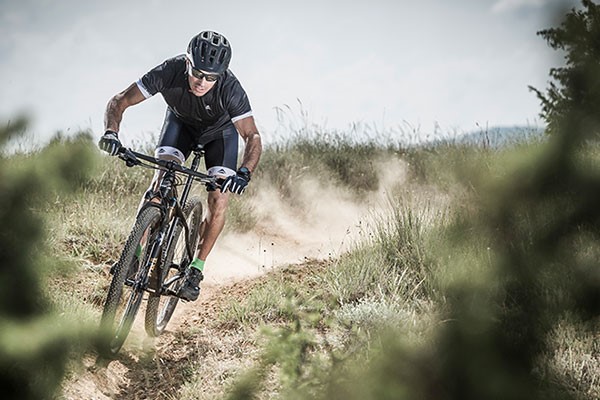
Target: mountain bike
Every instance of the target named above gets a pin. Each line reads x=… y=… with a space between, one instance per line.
x=159 y=248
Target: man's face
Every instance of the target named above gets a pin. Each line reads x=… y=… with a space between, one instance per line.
x=200 y=82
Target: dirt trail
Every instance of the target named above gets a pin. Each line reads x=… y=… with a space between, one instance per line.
x=325 y=226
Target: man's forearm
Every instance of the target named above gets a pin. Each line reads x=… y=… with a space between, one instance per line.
x=118 y=104
x=113 y=115
x=252 y=151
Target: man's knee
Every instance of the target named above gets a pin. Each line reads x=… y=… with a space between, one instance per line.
x=169 y=153
x=217 y=203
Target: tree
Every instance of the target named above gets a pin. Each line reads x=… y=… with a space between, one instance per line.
x=577 y=82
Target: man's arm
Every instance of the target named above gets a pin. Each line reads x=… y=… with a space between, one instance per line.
x=118 y=104
x=249 y=132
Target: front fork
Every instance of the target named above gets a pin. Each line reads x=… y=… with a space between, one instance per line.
x=157 y=269
x=151 y=259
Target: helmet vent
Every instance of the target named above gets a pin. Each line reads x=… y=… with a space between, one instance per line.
x=210 y=51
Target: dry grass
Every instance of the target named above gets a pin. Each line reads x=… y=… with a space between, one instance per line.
x=318 y=314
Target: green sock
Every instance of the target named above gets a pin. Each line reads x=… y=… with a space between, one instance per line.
x=138 y=251
x=198 y=264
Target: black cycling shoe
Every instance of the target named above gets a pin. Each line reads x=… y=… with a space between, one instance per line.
x=191 y=287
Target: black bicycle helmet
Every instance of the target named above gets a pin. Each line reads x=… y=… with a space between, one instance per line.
x=210 y=52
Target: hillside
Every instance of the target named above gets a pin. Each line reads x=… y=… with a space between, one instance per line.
x=346 y=271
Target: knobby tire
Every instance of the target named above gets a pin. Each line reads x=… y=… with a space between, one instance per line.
x=123 y=302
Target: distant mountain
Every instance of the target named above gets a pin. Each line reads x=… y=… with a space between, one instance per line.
x=496 y=137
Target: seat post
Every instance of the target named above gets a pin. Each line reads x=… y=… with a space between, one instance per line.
x=198 y=150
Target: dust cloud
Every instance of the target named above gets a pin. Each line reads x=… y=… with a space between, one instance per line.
x=324 y=222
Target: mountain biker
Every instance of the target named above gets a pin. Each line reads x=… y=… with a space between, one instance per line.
x=205 y=104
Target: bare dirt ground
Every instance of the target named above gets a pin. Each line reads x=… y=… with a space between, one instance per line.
x=149 y=368
x=327 y=224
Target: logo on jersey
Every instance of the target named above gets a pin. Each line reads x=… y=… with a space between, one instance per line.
x=207 y=107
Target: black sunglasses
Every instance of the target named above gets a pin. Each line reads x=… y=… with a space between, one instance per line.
x=199 y=74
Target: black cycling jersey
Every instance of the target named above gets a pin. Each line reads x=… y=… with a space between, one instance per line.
x=226 y=102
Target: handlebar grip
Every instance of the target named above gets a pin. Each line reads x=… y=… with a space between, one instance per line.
x=126 y=155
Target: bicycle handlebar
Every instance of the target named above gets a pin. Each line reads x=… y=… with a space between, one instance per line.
x=133 y=158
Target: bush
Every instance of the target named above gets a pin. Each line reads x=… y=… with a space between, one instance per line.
x=35 y=342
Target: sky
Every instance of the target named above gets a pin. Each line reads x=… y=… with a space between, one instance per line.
x=388 y=66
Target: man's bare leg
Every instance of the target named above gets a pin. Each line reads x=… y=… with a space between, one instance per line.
x=213 y=225
x=215 y=221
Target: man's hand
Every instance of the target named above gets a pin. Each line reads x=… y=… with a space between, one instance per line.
x=109 y=142
x=237 y=183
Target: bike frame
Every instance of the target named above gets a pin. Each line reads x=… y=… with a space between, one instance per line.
x=170 y=206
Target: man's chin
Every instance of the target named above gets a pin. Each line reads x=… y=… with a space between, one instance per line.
x=198 y=93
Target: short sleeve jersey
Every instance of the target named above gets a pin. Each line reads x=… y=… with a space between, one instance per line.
x=226 y=102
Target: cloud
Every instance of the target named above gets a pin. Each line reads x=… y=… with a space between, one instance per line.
x=506 y=6
x=353 y=63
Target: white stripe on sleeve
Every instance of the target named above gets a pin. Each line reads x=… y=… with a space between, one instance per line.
x=239 y=117
x=144 y=91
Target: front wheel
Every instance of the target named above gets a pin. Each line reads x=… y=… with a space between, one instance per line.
x=160 y=308
x=129 y=277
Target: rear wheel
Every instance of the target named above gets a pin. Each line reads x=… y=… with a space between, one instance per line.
x=129 y=278
x=160 y=308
